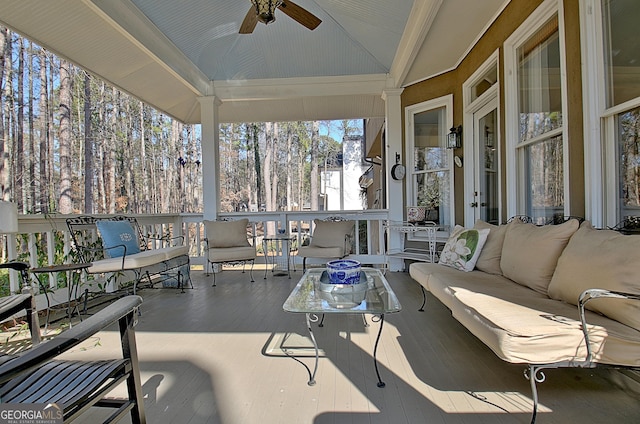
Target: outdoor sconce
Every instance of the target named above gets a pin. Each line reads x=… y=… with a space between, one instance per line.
x=454 y=138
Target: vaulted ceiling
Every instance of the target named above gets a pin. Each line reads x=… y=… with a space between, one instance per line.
x=169 y=53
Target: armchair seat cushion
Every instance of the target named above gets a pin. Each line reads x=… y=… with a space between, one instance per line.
x=321 y=252
x=231 y=254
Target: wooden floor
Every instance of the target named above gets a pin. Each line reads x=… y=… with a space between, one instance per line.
x=211 y=355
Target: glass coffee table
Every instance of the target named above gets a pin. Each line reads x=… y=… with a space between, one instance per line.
x=310 y=297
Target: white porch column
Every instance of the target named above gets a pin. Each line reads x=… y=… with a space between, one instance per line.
x=210 y=158
x=395 y=189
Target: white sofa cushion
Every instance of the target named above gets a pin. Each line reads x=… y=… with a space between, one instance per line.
x=489 y=259
x=523 y=326
x=602 y=259
x=227 y=233
x=530 y=253
x=330 y=233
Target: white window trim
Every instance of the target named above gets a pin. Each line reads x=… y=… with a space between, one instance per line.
x=515 y=188
x=409 y=112
x=601 y=153
x=471 y=107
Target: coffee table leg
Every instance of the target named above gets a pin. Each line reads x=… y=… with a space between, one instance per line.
x=375 y=352
x=312 y=376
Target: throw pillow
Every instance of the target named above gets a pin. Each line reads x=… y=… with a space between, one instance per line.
x=489 y=259
x=600 y=259
x=227 y=233
x=463 y=248
x=530 y=253
x=116 y=235
x=330 y=233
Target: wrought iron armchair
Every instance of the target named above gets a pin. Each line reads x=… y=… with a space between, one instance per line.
x=331 y=239
x=227 y=242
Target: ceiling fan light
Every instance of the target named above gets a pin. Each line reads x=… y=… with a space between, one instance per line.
x=265 y=9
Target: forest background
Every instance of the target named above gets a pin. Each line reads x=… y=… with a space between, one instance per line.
x=70 y=143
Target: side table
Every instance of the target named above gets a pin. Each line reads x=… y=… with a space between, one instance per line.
x=280 y=255
x=72 y=285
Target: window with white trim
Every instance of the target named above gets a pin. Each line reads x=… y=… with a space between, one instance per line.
x=430 y=182
x=535 y=116
x=622 y=90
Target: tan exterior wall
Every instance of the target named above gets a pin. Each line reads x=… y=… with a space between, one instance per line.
x=451 y=83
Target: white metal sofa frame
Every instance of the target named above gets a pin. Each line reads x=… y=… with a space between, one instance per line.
x=89 y=249
x=36 y=376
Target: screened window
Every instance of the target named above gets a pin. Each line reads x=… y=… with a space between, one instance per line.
x=622 y=70
x=540 y=137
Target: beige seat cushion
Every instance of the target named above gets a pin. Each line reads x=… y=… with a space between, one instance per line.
x=602 y=259
x=330 y=233
x=321 y=252
x=522 y=326
x=230 y=254
x=227 y=233
x=530 y=253
x=489 y=259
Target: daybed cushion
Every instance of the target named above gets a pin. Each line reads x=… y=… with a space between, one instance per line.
x=330 y=233
x=227 y=233
x=462 y=249
x=602 y=259
x=115 y=234
x=530 y=253
x=136 y=261
x=523 y=326
x=489 y=259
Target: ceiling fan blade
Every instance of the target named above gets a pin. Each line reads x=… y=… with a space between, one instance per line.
x=300 y=15
x=249 y=23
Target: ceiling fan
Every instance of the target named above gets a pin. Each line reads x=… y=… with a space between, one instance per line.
x=264 y=11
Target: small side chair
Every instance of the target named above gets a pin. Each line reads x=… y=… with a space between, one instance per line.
x=227 y=242
x=331 y=239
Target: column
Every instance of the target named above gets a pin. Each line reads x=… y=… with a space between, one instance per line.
x=210 y=160
x=395 y=189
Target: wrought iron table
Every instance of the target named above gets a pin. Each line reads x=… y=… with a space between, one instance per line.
x=280 y=256
x=72 y=286
x=309 y=298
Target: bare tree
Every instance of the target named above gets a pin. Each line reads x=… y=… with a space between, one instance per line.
x=65 y=202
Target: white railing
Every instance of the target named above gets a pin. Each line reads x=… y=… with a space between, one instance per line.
x=47 y=240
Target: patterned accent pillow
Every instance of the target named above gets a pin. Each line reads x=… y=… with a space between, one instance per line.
x=116 y=234
x=463 y=248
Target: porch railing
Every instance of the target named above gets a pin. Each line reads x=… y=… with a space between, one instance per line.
x=45 y=239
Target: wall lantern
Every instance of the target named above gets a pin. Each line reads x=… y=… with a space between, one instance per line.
x=454 y=138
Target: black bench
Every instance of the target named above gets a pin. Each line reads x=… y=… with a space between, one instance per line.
x=38 y=376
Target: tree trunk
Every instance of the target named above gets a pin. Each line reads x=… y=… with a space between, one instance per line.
x=88 y=147
x=5 y=63
x=18 y=153
x=65 y=202
x=314 y=166
x=43 y=108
